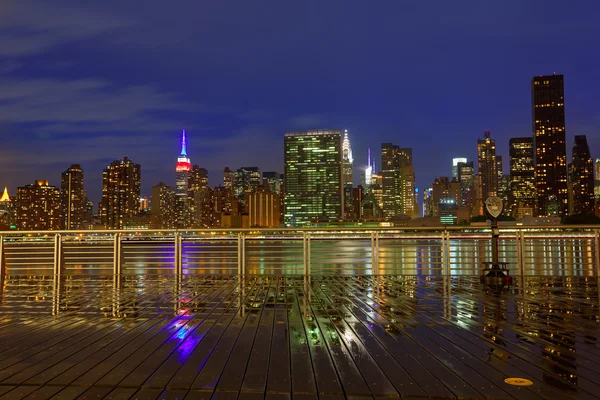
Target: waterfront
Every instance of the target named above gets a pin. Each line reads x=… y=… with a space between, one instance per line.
x=157 y=336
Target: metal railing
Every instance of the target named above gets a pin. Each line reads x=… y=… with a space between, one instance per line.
x=573 y=250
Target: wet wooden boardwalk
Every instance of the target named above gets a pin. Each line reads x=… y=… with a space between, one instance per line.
x=293 y=337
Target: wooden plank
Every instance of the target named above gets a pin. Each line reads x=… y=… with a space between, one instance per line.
x=397 y=375
x=133 y=370
x=121 y=394
x=209 y=376
x=173 y=394
x=278 y=380
x=326 y=376
x=233 y=371
x=217 y=324
x=19 y=392
x=44 y=392
x=302 y=373
x=375 y=378
x=255 y=378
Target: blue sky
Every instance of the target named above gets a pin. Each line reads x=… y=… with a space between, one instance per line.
x=88 y=82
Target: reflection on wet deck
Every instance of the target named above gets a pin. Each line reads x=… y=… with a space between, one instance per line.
x=151 y=337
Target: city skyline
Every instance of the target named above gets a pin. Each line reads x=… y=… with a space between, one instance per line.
x=133 y=77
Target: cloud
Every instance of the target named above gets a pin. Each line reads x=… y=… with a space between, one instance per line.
x=32 y=27
x=88 y=105
x=9 y=66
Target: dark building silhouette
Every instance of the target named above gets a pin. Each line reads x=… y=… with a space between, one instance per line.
x=582 y=177
x=547 y=95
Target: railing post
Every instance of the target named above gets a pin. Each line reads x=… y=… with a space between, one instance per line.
x=374 y=253
x=58 y=254
x=374 y=249
x=597 y=251
x=445 y=254
x=241 y=254
x=117 y=255
x=178 y=255
x=305 y=253
x=2 y=260
x=518 y=245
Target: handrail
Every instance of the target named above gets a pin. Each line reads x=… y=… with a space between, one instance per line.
x=311 y=229
x=375 y=250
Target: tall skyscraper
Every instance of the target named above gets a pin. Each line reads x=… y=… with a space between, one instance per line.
x=582 y=177
x=369 y=170
x=227 y=178
x=522 y=189
x=198 y=179
x=348 y=160
x=398 y=181
x=182 y=177
x=197 y=186
x=390 y=171
x=38 y=207
x=163 y=214
x=597 y=169
x=7 y=211
x=487 y=169
x=73 y=198
x=455 y=162
x=121 y=181
x=313 y=176
x=466 y=172
x=549 y=145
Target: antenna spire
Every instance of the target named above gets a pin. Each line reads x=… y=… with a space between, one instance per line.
x=183 y=145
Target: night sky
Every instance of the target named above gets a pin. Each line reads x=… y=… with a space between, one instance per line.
x=91 y=81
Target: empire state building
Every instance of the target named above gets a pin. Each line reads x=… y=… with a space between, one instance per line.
x=182 y=176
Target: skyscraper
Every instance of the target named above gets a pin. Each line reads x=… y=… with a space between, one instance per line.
x=121 y=181
x=73 y=198
x=246 y=179
x=7 y=211
x=582 y=177
x=466 y=172
x=522 y=187
x=398 y=181
x=487 y=169
x=163 y=207
x=274 y=180
x=455 y=162
x=182 y=177
x=227 y=178
x=549 y=145
x=313 y=176
x=197 y=186
x=347 y=157
x=369 y=170
x=38 y=207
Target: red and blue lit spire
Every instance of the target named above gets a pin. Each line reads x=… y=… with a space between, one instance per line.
x=183 y=161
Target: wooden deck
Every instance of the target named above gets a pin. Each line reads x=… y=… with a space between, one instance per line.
x=293 y=337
